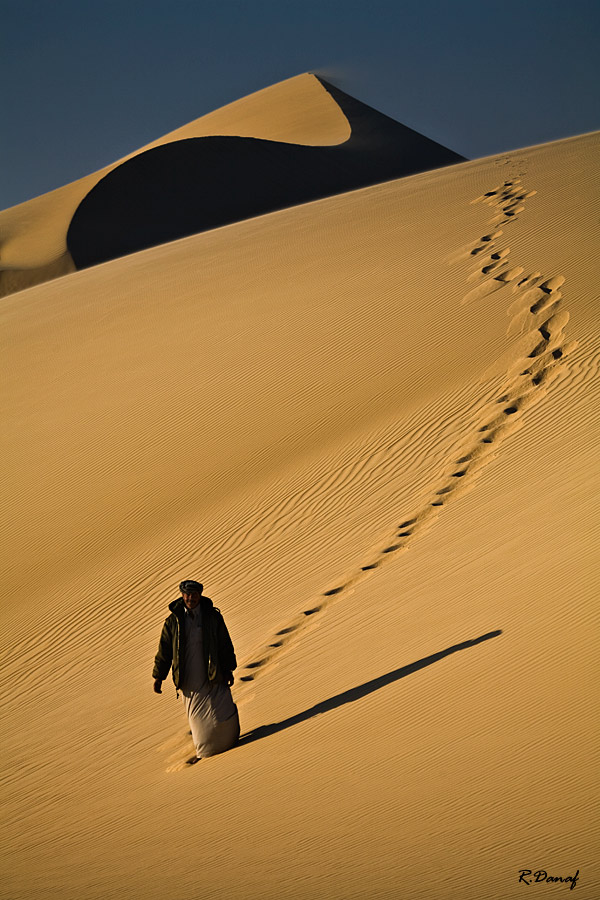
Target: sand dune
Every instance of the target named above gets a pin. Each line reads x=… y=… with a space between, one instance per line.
x=192 y=185
x=264 y=152
x=33 y=235
x=368 y=424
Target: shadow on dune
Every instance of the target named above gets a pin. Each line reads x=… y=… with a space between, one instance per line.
x=188 y=186
x=362 y=690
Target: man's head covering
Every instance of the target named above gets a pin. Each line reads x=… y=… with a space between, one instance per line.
x=187 y=586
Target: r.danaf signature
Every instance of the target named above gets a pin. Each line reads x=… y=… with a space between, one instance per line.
x=528 y=876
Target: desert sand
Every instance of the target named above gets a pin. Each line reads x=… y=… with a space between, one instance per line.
x=369 y=425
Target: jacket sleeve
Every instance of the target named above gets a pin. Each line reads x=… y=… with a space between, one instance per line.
x=164 y=656
x=226 y=651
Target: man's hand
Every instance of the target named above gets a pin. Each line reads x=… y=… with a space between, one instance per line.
x=230 y=679
x=157 y=685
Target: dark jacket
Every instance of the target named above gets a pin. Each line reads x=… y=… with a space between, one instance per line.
x=218 y=648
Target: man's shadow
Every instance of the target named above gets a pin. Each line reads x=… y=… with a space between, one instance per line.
x=362 y=690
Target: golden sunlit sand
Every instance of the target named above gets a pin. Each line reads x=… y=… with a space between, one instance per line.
x=369 y=425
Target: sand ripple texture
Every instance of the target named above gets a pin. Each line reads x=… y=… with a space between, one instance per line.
x=369 y=424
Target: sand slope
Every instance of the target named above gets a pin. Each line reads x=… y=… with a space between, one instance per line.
x=369 y=425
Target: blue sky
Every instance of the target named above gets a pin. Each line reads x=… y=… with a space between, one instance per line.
x=84 y=83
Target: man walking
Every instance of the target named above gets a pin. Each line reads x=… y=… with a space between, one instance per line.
x=196 y=644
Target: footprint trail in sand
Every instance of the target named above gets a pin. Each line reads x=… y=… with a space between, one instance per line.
x=538 y=316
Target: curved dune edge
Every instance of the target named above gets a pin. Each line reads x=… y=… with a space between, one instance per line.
x=14 y=280
x=189 y=186
x=33 y=234
x=275 y=408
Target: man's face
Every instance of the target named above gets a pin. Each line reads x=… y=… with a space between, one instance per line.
x=191 y=599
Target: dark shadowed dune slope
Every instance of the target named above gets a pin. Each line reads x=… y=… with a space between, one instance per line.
x=193 y=185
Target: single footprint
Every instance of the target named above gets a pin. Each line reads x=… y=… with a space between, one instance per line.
x=486 y=197
x=545 y=302
x=538 y=349
x=552 y=284
x=468 y=457
x=490 y=268
x=509 y=274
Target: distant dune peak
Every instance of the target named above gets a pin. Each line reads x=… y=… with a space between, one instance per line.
x=183 y=187
x=298 y=110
